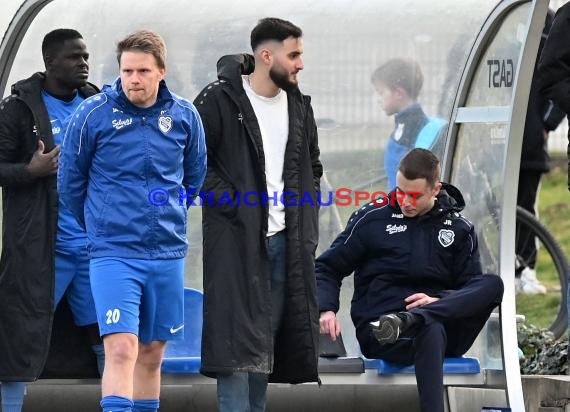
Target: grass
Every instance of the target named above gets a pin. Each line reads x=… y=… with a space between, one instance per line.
x=554 y=213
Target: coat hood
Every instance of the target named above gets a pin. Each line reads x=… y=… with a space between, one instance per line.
x=33 y=84
x=450 y=198
x=232 y=67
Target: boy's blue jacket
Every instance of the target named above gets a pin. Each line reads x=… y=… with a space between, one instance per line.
x=126 y=172
x=393 y=256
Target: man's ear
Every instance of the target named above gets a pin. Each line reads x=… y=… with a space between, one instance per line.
x=48 y=60
x=265 y=55
x=437 y=188
x=400 y=92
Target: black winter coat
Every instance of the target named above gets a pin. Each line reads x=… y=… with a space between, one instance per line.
x=541 y=115
x=237 y=302
x=29 y=219
x=393 y=257
x=554 y=66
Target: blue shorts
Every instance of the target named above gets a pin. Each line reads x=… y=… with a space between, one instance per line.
x=143 y=297
x=72 y=281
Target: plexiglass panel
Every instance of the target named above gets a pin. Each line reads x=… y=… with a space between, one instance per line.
x=345 y=42
x=494 y=80
x=479 y=158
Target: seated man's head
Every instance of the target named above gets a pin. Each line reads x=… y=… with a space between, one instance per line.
x=398 y=83
x=418 y=176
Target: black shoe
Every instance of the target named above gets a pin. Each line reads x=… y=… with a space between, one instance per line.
x=388 y=328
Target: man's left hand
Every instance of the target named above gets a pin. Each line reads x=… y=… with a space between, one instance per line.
x=418 y=299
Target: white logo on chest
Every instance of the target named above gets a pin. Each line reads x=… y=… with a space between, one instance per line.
x=446 y=237
x=119 y=124
x=399 y=132
x=165 y=123
x=391 y=229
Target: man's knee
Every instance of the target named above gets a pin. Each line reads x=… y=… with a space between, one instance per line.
x=494 y=284
x=121 y=348
x=150 y=355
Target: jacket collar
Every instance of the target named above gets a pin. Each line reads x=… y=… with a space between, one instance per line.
x=30 y=92
x=115 y=92
x=448 y=200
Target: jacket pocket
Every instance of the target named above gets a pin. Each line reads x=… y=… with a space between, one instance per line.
x=102 y=217
x=218 y=195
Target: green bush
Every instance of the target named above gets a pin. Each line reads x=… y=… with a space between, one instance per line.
x=543 y=355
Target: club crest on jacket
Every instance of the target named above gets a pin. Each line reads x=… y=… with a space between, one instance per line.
x=165 y=123
x=446 y=237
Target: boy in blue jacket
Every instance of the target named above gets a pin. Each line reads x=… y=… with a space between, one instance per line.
x=128 y=154
x=398 y=83
x=419 y=291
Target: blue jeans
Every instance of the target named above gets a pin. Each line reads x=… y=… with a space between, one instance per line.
x=246 y=391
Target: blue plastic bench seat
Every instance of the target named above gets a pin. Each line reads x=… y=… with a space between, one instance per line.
x=453 y=366
x=183 y=356
x=181 y=365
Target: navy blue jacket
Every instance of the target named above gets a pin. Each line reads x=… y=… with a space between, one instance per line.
x=125 y=172
x=393 y=256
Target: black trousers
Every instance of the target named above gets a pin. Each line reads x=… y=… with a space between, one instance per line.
x=450 y=327
x=528 y=187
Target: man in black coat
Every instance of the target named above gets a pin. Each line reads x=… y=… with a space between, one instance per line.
x=542 y=117
x=260 y=311
x=419 y=291
x=35 y=243
x=554 y=65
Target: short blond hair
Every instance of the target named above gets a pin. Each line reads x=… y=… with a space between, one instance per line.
x=145 y=41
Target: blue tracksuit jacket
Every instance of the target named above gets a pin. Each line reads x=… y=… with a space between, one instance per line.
x=125 y=172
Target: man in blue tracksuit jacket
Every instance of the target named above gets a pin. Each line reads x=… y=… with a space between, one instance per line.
x=419 y=291
x=133 y=156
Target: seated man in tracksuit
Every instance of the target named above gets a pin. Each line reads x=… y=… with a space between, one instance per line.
x=419 y=291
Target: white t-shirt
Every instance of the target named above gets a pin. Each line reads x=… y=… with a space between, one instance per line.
x=273 y=118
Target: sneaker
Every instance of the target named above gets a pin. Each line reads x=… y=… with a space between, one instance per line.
x=388 y=328
x=528 y=284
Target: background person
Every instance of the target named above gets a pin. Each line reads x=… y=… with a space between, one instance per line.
x=542 y=117
x=398 y=83
x=43 y=249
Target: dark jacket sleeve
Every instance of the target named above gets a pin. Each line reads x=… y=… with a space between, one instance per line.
x=467 y=259
x=13 y=170
x=339 y=261
x=314 y=150
x=554 y=65
x=552 y=116
x=217 y=179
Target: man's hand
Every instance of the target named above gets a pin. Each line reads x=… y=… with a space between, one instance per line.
x=43 y=164
x=329 y=324
x=418 y=299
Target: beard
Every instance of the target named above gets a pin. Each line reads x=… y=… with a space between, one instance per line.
x=281 y=80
